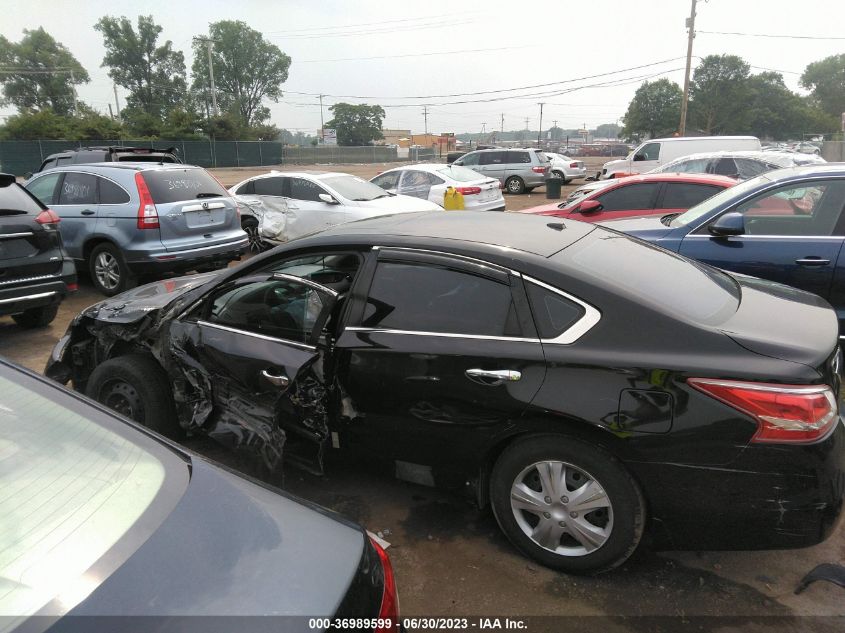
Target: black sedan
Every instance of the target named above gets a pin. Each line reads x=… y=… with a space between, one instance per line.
x=589 y=386
x=103 y=518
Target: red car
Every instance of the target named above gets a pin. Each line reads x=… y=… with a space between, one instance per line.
x=645 y=194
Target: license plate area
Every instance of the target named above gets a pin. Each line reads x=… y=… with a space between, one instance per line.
x=204 y=217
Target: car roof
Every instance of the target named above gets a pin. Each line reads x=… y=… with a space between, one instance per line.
x=704 y=179
x=685 y=139
x=125 y=165
x=513 y=231
x=738 y=153
x=815 y=170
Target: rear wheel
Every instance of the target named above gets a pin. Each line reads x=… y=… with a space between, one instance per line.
x=136 y=386
x=567 y=504
x=515 y=185
x=250 y=227
x=37 y=317
x=109 y=273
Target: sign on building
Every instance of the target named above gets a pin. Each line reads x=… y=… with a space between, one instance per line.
x=329 y=136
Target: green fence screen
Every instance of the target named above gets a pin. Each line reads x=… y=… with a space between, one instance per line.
x=20 y=157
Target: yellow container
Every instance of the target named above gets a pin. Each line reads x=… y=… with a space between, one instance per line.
x=453 y=200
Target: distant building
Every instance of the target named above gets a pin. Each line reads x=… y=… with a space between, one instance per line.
x=443 y=142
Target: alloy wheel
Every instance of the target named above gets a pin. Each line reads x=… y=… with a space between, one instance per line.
x=107 y=270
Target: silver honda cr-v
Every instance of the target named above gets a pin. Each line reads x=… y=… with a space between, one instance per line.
x=121 y=220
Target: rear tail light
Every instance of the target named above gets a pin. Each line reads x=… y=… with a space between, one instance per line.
x=147 y=212
x=538 y=170
x=468 y=191
x=787 y=414
x=72 y=287
x=389 y=610
x=573 y=165
x=48 y=218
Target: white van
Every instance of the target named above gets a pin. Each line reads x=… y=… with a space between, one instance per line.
x=659 y=151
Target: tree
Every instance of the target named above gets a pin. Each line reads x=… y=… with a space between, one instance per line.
x=555 y=133
x=90 y=125
x=247 y=69
x=154 y=75
x=356 y=124
x=48 y=72
x=654 y=111
x=609 y=130
x=719 y=95
x=30 y=125
x=825 y=79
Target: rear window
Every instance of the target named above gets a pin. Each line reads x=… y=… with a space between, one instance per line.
x=652 y=275
x=460 y=174
x=15 y=198
x=175 y=185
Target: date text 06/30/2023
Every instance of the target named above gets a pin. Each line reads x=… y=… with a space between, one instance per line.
x=423 y=624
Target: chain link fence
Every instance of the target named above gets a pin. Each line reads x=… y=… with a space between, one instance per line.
x=20 y=157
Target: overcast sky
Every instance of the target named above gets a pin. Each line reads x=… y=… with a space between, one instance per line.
x=506 y=44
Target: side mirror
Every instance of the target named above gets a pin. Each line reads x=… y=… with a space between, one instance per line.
x=728 y=224
x=327 y=199
x=590 y=206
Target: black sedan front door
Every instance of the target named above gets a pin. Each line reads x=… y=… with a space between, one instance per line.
x=439 y=357
x=253 y=347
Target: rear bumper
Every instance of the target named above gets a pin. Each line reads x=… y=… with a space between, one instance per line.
x=771 y=497
x=492 y=205
x=174 y=261
x=36 y=292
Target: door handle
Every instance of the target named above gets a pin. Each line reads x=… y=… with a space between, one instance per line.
x=88 y=212
x=492 y=378
x=812 y=261
x=276 y=380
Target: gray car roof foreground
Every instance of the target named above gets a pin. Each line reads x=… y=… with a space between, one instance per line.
x=538 y=235
x=126 y=165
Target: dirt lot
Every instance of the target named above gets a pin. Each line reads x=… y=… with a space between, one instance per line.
x=450 y=558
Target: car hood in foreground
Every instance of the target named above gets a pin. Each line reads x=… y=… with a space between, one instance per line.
x=399 y=204
x=233 y=547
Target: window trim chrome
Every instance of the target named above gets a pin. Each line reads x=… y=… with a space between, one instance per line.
x=481 y=337
x=40 y=295
x=264 y=337
x=578 y=329
x=9 y=236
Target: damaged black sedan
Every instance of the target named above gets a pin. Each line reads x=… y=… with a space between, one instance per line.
x=588 y=386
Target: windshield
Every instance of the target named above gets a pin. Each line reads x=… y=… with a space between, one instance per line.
x=460 y=174
x=74 y=482
x=354 y=188
x=703 y=208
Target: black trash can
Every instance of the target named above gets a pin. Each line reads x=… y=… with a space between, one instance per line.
x=553 y=186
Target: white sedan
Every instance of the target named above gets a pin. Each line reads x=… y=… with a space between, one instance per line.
x=429 y=182
x=566 y=168
x=297 y=203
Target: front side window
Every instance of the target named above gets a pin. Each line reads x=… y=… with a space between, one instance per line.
x=811 y=208
x=78 y=189
x=632 y=197
x=280 y=308
x=493 y=158
x=389 y=180
x=44 y=188
x=749 y=168
x=470 y=160
x=335 y=270
x=301 y=189
x=651 y=151
x=432 y=298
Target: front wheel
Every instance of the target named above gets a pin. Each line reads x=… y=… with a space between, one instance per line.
x=567 y=504
x=37 y=317
x=515 y=185
x=250 y=227
x=136 y=386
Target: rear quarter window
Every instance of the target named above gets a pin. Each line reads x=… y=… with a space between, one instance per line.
x=15 y=198
x=176 y=185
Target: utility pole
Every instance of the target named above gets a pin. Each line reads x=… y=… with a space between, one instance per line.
x=111 y=113
x=322 y=130
x=540 y=131
x=682 y=127
x=425 y=118
x=208 y=43
x=73 y=89
x=116 y=104
x=503 y=122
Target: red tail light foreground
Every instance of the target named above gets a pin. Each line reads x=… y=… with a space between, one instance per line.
x=786 y=414
x=573 y=165
x=389 y=599
x=147 y=212
x=539 y=170
x=468 y=191
x=48 y=217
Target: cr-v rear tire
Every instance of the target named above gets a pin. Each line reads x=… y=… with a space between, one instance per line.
x=567 y=504
x=109 y=273
x=136 y=386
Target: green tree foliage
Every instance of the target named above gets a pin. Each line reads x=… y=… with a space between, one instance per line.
x=719 y=95
x=34 y=125
x=608 y=130
x=153 y=74
x=654 y=111
x=825 y=79
x=45 y=66
x=90 y=125
x=247 y=69
x=356 y=124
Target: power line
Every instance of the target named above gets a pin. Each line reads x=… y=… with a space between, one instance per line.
x=788 y=37
x=486 y=92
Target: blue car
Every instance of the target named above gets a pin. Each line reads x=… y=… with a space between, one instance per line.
x=787 y=226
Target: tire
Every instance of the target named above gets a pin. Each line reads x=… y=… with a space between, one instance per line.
x=250 y=227
x=136 y=386
x=614 y=529
x=560 y=175
x=515 y=185
x=109 y=273
x=37 y=317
